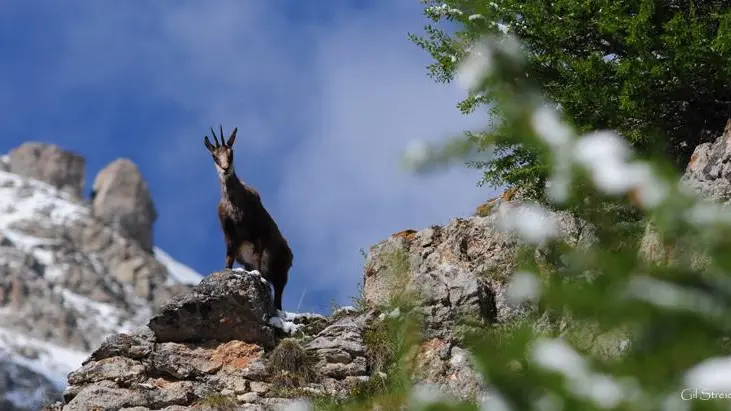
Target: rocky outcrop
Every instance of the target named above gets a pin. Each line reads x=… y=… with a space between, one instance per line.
x=456 y=278
x=221 y=345
x=707 y=175
x=50 y=164
x=120 y=198
x=67 y=279
x=709 y=170
x=458 y=271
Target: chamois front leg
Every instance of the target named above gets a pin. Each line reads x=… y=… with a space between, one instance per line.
x=230 y=256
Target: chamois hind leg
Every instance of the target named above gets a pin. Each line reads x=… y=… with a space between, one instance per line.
x=279 y=271
x=278 y=291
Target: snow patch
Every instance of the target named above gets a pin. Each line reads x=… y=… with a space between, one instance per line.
x=289 y=316
x=52 y=361
x=178 y=271
x=287 y=326
x=345 y=309
x=287 y=321
x=19 y=203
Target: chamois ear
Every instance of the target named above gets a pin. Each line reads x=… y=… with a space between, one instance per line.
x=208 y=144
x=231 y=139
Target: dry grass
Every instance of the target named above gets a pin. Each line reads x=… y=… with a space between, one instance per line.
x=291 y=365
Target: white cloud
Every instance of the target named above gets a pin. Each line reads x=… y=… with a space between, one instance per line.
x=323 y=113
x=343 y=187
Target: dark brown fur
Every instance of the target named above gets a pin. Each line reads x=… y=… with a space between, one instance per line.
x=251 y=235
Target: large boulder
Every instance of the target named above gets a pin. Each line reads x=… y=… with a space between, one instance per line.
x=708 y=175
x=120 y=198
x=224 y=306
x=49 y=163
x=459 y=272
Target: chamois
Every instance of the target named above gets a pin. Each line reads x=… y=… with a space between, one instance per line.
x=252 y=237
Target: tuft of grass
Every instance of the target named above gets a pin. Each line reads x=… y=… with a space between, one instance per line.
x=398 y=274
x=218 y=401
x=359 y=301
x=380 y=346
x=291 y=365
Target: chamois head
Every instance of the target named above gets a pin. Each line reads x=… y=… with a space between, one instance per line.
x=223 y=153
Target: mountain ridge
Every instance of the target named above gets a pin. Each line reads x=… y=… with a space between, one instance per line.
x=68 y=278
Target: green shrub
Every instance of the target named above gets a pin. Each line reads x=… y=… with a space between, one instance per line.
x=612 y=330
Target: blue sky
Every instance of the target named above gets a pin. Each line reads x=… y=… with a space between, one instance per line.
x=326 y=95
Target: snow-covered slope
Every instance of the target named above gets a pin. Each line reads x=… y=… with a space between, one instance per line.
x=66 y=282
x=179 y=272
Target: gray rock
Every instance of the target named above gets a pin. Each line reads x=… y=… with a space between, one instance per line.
x=708 y=175
x=456 y=273
x=709 y=170
x=136 y=345
x=50 y=164
x=106 y=395
x=340 y=347
x=227 y=305
x=120 y=369
x=121 y=199
x=181 y=361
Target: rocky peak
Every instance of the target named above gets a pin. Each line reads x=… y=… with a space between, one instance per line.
x=49 y=163
x=121 y=199
x=68 y=279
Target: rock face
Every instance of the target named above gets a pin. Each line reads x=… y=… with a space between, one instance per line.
x=459 y=271
x=708 y=174
x=67 y=279
x=50 y=164
x=456 y=276
x=121 y=199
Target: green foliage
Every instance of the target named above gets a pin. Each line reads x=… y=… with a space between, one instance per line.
x=612 y=329
x=380 y=346
x=654 y=70
x=634 y=334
